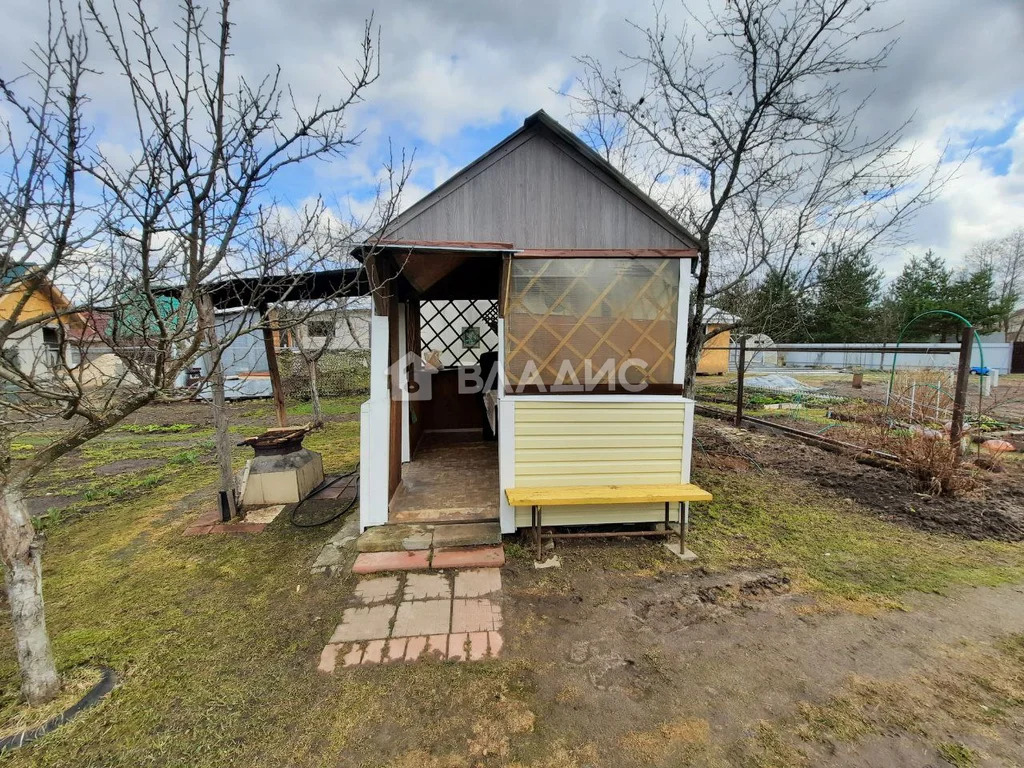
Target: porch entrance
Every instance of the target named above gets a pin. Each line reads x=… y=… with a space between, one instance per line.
x=445 y=308
x=453 y=478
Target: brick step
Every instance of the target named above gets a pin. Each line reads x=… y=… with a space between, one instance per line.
x=411 y=537
x=489 y=556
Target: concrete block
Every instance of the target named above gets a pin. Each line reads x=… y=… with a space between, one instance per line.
x=685 y=555
x=467 y=535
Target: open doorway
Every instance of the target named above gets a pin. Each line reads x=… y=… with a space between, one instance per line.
x=449 y=334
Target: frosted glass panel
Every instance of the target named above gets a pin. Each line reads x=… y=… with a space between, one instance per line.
x=562 y=313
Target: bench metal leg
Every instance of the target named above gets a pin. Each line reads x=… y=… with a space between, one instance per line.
x=540 y=533
x=684 y=522
x=667 y=529
x=538 y=530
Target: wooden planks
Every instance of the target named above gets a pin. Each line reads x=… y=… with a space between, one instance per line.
x=567 y=495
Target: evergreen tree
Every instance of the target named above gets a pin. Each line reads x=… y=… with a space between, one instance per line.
x=924 y=285
x=843 y=306
x=773 y=307
x=927 y=284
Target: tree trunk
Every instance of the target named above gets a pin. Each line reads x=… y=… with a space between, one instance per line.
x=23 y=575
x=215 y=372
x=314 y=393
x=695 y=331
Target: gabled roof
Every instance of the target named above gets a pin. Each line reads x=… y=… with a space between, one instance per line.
x=643 y=199
x=542 y=123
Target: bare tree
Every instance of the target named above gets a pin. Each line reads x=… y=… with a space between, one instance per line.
x=1004 y=256
x=740 y=125
x=128 y=278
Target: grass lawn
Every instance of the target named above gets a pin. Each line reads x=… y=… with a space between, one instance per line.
x=216 y=638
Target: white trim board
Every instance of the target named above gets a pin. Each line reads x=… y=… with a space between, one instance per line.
x=584 y=398
x=682 y=325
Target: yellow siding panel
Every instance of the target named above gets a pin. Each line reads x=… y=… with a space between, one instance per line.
x=602 y=515
x=622 y=442
x=601 y=443
x=597 y=428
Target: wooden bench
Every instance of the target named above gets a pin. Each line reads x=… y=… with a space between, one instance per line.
x=588 y=495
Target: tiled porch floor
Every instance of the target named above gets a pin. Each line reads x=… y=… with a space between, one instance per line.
x=411 y=616
x=448 y=481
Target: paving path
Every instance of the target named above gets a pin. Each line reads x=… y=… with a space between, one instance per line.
x=454 y=616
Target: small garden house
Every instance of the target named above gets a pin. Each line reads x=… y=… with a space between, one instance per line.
x=528 y=331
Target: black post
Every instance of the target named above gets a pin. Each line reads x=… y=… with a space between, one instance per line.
x=963 y=372
x=740 y=366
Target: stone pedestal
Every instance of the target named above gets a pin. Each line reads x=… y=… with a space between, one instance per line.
x=282 y=478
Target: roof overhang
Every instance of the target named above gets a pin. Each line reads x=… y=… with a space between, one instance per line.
x=607 y=253
x=240 y=292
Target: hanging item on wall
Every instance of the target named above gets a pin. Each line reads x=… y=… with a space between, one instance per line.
x=470 y=337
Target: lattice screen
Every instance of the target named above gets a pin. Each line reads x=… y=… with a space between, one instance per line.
x=598 y=309
x=442 y=327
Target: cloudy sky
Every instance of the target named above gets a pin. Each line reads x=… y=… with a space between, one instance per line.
x=458 y=75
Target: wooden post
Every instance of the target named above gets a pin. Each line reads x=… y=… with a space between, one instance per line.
x=740 y=366
x=223 y=442
x=272 y=366
x=963 y=372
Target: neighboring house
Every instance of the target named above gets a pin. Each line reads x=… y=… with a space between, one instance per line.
x=573 y=266
x=244 y=359
x=340 y=330
x=714 y=357
x=37 y=351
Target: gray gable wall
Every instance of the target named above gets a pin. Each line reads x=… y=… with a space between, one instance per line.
x=535 y=190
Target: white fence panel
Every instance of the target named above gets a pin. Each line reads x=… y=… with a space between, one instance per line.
x=997 y=357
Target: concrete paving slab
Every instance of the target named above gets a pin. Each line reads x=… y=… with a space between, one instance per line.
x=374 y=653
x=364 y=623
x=426 y=586
x=376 y=590
x=457 y=646
x=265 y=515
x=423 y=617
x=475 y=615
x=495 y=642
x=477 y=581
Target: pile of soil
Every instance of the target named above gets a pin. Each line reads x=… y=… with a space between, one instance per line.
x=995 y=510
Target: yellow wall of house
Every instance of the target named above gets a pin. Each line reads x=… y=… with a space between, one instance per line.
x=38 y=305
x=714 y=358
x=597 y=443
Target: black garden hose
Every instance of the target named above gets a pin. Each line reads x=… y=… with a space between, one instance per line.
x=90 y=699
x=354 y=474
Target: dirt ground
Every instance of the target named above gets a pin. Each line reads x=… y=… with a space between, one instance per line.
x=995 y=509
x=696 y=669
